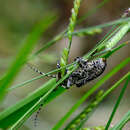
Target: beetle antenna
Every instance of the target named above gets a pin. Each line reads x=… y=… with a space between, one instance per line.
x=38 y=71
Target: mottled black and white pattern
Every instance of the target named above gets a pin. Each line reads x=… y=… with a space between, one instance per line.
x=87 y=71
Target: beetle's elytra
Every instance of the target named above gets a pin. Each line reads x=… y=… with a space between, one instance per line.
x=87 y=71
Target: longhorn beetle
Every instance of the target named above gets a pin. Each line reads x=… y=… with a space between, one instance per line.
x=86 y=71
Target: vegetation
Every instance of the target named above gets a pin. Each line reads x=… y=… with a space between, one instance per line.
x=14 y=116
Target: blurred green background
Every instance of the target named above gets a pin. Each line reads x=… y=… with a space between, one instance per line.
x=17 y=18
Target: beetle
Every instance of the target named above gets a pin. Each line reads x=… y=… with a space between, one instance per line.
x=87 y=70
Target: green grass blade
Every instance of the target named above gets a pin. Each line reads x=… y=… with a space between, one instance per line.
x=78 y=32
x=106 y=93
x=122 y=122
x=79 y=120
x=48 y=44
x=29 y=104
x=10 y=115
x=31 y=110
x=22 y=103
x=39 y=77
x=117 y=103
x=33 y=98
x=109 y=53
x=90 y=29
x=23 y=54
x=61 y=35
x=42 y=100
x=34 y=107
x=101 y=43
x=93 y=89
x=117 y=37
x=86 y=111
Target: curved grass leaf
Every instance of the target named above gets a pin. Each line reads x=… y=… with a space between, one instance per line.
x=32 y=99
x=23 y=53
x=9 y=116
x=101 y=43
x=117 y=103
x=25 y=104
x=61 y=35
x=122 y=122
x=117 y=37
x=107 y=55
x=78 y=32
x=78 y=123
x=106 y=93
x=86 y=31
x=93 y=89
x=24 y=108
x=38 y=77
x=48 y=44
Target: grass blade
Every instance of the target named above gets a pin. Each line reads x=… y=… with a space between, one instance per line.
x=29 y=104
x=117 y=103
x=23 y=54
x=93 y=89
x=48 y=44
x=86 y=111
x=117 y=37
x=85 y=31
x=29 y=100
x=13 y=113
x=81 y=118
x=90 y=29
x=107 y=55
x=61 y=35
x=122 y=122
x=108 y=92
x=34 y=107
x=39 y=77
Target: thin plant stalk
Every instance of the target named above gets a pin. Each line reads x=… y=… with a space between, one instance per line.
x=117 y=103
x=92 y=90
x=81 y=118
x=122 y=122
x=72 y=24
x=61 y=35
